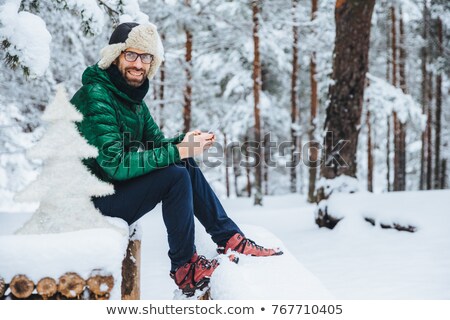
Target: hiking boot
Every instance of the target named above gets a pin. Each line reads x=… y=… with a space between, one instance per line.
x=194 y=274
x=243 y=245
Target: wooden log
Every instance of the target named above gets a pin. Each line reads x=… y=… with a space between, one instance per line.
x=71 y=285
x=21 y=287
x=205 y=296
x=47 y=287
x=2 y=287
x=131 y=271
x=100 y=285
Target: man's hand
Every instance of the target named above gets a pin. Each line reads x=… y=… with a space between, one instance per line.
x=194 y=143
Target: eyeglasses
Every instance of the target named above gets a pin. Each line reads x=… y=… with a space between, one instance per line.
x=131 y=56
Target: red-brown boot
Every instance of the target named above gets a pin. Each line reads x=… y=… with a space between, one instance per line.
x=194 y=274
x=243 y=245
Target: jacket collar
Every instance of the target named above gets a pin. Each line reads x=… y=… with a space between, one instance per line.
x=94 y=75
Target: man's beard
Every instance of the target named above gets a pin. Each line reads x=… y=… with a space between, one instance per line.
x=133 y=81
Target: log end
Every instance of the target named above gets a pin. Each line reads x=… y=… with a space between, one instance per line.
x=100 y=286
x=71 y=285
x=21 y=286
x=47 y=287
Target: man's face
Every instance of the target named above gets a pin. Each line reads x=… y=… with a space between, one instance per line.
x=135 y=72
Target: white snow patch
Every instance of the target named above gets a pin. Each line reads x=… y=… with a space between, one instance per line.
x=28 y=35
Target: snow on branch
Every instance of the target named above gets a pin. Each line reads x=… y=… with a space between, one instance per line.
x=25 y=39
x=383 y=98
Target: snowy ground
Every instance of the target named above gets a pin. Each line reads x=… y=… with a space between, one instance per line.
x=354 y=261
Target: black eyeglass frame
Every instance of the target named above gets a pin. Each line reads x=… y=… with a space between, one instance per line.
x=138 y=55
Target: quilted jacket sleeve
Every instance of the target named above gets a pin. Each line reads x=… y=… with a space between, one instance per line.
x=101 y=129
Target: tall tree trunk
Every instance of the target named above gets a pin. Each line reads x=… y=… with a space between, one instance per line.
x=396 y=123
x=429 y=132
x=388 y=120
x=266 y=152
x=313 y=154
x=236 y=154
x=294 y=111
x=397 y=142
x=444 y=174
x=402 y=126
x=187 y=109
x=388 y=153
x=247 y=169
x=346 y=95
x=437 y=146
x=388 y=48
x=369 y=154
x=256 y=91
x=424 y=85
x=393 y=45
x=227 y=164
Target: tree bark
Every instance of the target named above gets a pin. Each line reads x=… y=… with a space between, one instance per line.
x=266 y=161
x=437 y=146
x=388 y=154
x=424 y=98
x=396 y=122
x=131 y=271
x=429 y=132
x=294 y=110
x=443 y=176
x=369 y=154
x=227 y=164
x=247 y=169
x=187 y=109
x=256 y=91
x=313 y=154
x=393 y=46
x=343 y=118
x=402 y=126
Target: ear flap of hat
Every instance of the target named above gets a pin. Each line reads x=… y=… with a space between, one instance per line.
x=109 y=54
x=144 y=37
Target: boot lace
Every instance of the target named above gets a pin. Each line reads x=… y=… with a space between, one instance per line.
x=246 y=242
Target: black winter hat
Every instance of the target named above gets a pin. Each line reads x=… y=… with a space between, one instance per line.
x=122 y=31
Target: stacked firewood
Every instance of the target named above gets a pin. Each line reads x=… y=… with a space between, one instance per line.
x=69 y=286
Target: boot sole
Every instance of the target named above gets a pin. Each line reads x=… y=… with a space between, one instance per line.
x=190 y=291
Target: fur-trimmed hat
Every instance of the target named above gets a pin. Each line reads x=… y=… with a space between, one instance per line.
x=144 y=37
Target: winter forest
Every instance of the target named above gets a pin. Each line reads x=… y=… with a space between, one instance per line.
x=252 y=71
x=306 y=97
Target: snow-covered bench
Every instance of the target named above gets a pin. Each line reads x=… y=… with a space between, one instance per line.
x=50 y=269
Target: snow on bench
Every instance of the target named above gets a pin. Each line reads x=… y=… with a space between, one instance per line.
x=85 y=264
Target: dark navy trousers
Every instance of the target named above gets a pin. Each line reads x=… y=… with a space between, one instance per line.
x=184 y=192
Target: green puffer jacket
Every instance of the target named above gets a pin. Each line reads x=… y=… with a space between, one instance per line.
x=128 y=140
